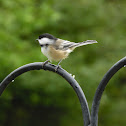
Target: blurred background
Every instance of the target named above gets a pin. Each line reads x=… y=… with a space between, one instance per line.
x=44 y=98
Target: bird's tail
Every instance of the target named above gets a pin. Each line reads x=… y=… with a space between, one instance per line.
x=83 y=43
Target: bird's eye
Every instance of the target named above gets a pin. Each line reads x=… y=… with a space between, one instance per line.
x=46 y=44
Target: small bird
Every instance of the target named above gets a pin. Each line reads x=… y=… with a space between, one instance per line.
x=56 y=49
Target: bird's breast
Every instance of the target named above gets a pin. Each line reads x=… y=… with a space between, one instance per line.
x=44 y=50
x=54 y=55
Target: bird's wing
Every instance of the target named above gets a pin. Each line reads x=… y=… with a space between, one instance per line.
x=64 y=44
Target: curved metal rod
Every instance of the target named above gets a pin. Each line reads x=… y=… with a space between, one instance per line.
x=96 y=101
x=61 y=72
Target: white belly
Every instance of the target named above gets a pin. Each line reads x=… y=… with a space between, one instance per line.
x=45 y=51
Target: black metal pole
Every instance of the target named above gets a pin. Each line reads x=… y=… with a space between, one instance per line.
x=96 y=101
x=60 y=71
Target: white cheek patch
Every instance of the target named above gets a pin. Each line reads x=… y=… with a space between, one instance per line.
x=45 y=41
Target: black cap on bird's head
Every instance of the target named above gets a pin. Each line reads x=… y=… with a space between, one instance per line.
x=47 y=35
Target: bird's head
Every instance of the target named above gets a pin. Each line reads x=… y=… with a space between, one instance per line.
x=46 y=39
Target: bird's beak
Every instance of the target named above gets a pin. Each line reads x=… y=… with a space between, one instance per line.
x=37 y=39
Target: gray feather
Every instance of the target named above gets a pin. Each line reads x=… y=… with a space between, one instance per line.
x=64 y=44
x=81 y=43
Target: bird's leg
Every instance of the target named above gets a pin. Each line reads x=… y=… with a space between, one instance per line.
x=58 y=66
x=44 y=63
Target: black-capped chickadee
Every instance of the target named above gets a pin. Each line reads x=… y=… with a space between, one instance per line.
x=56 y=49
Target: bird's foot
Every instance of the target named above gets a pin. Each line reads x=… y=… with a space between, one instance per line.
x=44 y=63
x=57 y=67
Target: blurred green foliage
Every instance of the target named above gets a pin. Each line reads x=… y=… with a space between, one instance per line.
x=44 y=98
